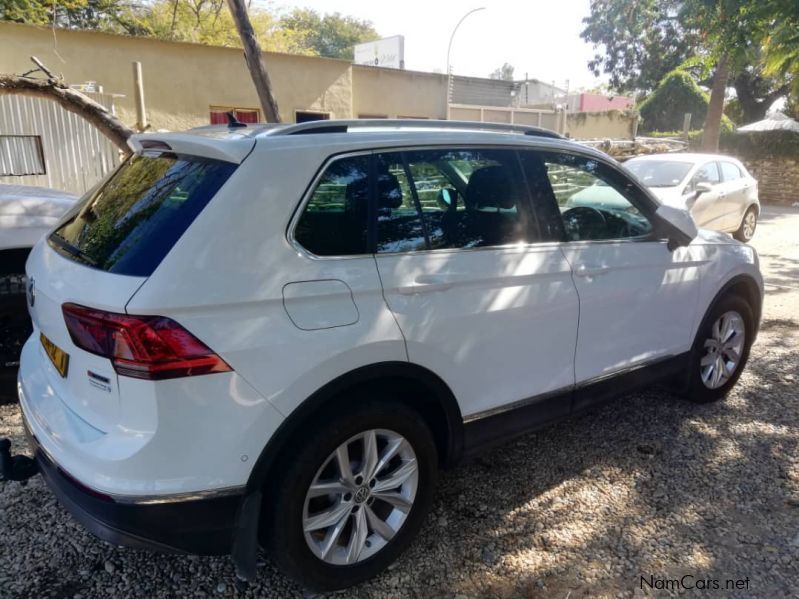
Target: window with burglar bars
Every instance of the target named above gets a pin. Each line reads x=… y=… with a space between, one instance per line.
x=21 y=155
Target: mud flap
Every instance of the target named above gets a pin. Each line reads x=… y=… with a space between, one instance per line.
x=245 y=543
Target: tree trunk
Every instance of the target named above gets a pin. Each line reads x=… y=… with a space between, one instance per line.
x=74 y=101
x=255 y=60
x=715 y=110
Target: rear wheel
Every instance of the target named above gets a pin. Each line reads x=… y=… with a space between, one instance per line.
x=353 y=496
x=748 y=225
x=721 y=349
x=15 y=328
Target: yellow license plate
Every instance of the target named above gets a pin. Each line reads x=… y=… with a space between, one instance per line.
x=58 y=356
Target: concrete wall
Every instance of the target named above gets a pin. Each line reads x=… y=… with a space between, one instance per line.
x=393 y=93
x=181 y=80
x=777 y=179
x=600 y=125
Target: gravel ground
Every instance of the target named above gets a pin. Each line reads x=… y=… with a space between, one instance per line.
x=646 y=486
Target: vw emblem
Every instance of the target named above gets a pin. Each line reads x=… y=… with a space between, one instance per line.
x=31 y=291
x=361 y=494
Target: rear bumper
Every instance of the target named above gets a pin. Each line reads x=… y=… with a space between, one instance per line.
x=203 y=526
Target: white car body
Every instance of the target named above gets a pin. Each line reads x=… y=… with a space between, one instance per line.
x=27 y=213
x=495 y=325
x=732 y=193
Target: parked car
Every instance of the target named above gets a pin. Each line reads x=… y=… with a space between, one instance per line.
x=718 y=190
x=269 y=336
x=26 y=214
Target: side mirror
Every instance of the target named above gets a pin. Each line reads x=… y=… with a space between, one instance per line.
x=447 y=198
x=678 y=225
x=702 y=187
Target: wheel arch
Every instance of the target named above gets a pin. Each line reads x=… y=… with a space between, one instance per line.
x=430 y=396
x=746 y=287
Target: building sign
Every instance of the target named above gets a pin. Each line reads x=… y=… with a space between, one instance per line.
x=387 y=52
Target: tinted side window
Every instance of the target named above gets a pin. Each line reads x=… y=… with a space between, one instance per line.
x=730 y=172
x=709 y=173
x=334 y=222
x=452 y=199
x=593 y=200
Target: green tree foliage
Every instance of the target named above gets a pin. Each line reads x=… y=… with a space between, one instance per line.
x=639 y=42
x=665 y=108
x=505 y=72
x=331 y=35
x=302 y=31
x=780 y=22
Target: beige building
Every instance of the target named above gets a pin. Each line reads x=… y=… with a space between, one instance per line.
x=185 y=83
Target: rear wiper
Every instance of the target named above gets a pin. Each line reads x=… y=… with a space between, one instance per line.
x=72 y=249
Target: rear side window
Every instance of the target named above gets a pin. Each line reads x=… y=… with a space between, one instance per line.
x=335 y=220
x=131 y=222
x=435 y=199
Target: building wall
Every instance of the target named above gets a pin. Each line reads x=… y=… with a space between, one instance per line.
x=394 y=93
x=181 y=81
x=600 y=125
x=599 y=103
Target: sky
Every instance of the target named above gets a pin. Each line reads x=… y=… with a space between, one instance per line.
x=538 y=37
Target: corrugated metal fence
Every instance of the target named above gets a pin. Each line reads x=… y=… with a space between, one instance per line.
x=75 y=154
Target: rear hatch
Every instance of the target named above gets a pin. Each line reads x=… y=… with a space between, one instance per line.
x=99 y=255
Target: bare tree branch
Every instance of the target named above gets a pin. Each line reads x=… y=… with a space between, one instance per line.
x=53 y=88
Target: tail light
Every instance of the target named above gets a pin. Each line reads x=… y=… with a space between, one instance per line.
x=143 y=347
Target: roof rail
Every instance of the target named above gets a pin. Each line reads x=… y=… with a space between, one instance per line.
x=345 y=125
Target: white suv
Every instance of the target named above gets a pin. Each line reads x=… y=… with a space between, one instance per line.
x=277 y=335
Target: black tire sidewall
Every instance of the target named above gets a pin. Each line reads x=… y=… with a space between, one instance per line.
x=281 y=524
x=697 y=391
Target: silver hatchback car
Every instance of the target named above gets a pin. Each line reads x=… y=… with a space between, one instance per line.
x=718 y=190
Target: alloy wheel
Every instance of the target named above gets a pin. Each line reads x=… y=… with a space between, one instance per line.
x=750 y=222
x=360 y=497
x=723 y=348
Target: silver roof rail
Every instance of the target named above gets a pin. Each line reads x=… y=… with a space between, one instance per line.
x=345 y=125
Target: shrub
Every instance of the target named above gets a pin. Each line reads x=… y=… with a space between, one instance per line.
x=678 y=93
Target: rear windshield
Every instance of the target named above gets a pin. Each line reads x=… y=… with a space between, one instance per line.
x=131 y=222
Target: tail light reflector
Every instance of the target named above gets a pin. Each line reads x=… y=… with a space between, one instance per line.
x=143 y=347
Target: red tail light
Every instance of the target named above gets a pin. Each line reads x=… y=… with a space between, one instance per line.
x=143 y=347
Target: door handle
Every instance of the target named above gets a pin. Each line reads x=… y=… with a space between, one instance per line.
x=425 y=284
x=591 y=270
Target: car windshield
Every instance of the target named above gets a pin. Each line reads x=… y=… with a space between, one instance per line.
x=659 y=173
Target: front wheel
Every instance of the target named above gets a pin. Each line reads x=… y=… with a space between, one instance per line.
x=352 y=497
x=748 y=225
x=721 y=349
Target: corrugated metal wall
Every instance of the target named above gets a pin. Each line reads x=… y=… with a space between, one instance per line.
x=76 y=154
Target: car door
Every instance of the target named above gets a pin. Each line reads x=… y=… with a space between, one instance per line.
x=637 y=298
x=480 y=296
x=707 y=207
x=735 y=189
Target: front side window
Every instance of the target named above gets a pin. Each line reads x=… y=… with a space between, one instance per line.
x=437 y=199
x=335 y=220
x=709 y=173
x=730 y=172
x=593 y=200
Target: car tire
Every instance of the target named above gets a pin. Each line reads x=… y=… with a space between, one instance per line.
x=15 y=328
x=748 y=225
x=290 y=514
x=727 y=331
